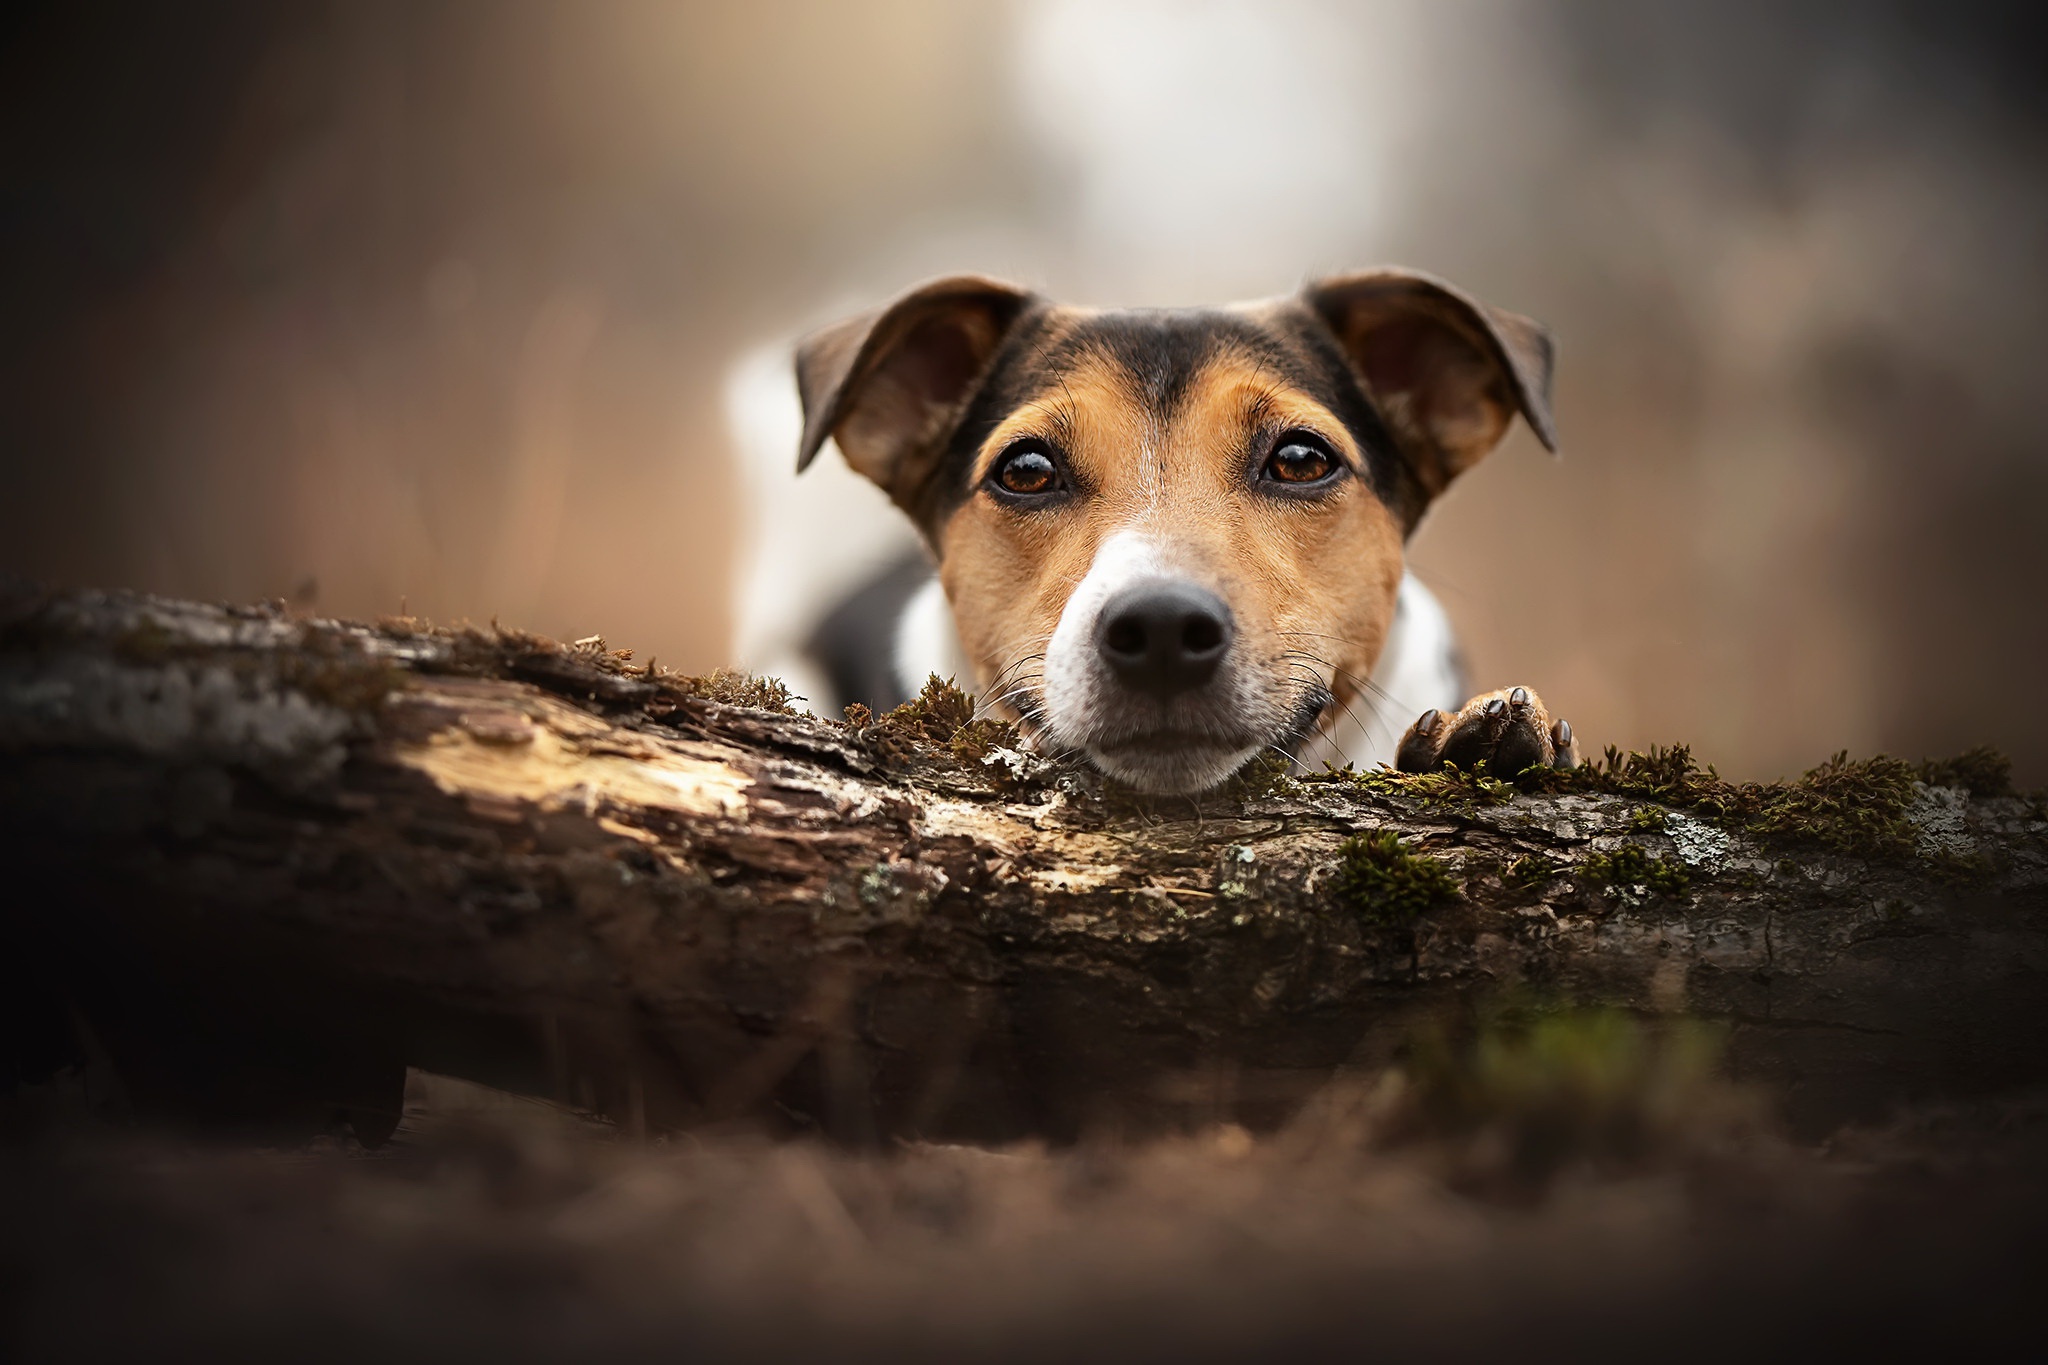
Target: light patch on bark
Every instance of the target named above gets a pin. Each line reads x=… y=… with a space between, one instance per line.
x=1698 y=843
x=1938 y=814
x=194 y=713
x=554 y=773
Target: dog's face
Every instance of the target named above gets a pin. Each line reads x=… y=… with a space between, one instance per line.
x=1172 y=539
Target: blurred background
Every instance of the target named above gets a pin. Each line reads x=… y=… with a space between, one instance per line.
x=367 y=304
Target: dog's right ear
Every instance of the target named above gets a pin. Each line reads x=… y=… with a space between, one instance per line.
x=889 y=385
x=1447 y=372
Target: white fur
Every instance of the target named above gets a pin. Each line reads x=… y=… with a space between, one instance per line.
x=1072 y=664
x=1418 y=669
x=927 y=643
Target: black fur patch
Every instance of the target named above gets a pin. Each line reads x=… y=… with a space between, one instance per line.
x=1162 y=352
x=856 y=642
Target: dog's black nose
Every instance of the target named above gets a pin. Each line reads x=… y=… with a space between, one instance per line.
x=1164 y=638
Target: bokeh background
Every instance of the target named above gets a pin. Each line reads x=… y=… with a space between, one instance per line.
x=372 y=304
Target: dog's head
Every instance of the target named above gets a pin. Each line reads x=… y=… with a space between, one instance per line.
x=1172 y=539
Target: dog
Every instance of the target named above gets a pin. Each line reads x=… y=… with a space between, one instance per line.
x=1169 y=541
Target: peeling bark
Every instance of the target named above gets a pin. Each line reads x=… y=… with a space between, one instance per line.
x=262 y=865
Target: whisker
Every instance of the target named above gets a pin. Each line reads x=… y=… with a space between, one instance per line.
x=1004 y=684
x=1026 y=689
x=1295 y=658
x=1366 y=685
x=1289 y=757
x=1363 y=684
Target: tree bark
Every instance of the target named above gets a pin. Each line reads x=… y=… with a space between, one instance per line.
x=261 y=865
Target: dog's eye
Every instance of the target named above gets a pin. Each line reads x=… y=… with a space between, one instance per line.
x=1300 y=458
x=1026 y=468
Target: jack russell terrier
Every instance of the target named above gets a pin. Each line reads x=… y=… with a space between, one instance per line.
x=1170 y=541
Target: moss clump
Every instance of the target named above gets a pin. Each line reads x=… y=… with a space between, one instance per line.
x=1530 y=870
x=730 y=687
x=939 y=717
x=1667 y=776
x=1857 y=808
x=932 y=717
x=1388 y=886
x=1266 y=775
x=1632 y=865
x=1983 y=771
x=1447 y=787
x=974 y=741
x=1958 y=869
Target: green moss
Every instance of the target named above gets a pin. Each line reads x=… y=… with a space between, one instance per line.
x=1668 y=776
x=1530 y=870
x=1983 y=771
x=1633 y=865
x=1388 y=886
x=975 y=740
x=1266 y=775
x=1447 y=787
x=1959 y=868
x=1857 y=808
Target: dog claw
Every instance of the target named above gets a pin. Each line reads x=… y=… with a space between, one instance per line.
x=1519 y=697
x=1421 y=746
x=1496 y=708
x=1561 y=744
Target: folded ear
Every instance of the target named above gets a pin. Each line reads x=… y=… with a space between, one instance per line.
x=890 y=384
x=1446 y=372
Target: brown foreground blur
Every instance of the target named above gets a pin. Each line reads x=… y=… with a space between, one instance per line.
x=376 y=303
x=1580 y=1197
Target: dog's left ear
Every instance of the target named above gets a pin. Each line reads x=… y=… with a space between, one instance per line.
x=1446 y=372
x=889 y=384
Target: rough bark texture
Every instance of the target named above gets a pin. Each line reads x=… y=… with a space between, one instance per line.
x=261 y=865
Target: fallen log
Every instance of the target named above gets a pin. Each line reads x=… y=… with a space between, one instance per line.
x=262 y=865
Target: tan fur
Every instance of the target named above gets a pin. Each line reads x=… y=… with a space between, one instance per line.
x=1311 y=584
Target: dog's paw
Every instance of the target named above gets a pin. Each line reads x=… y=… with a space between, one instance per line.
x=1508 y=730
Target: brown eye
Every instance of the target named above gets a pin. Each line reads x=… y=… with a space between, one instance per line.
x=1300 y=458
x=1026 y=468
